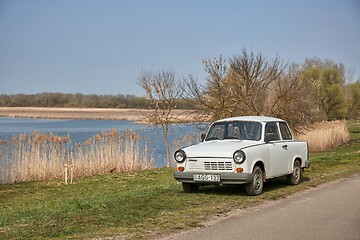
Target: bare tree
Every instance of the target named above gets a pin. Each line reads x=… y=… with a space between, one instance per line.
x=239 y=86
x=252 y=77
x=212 y=98
x=249 y=84
x=163 y=92
x=289 y=99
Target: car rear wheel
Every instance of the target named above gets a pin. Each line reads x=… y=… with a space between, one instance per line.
x=256 y=185
x=190 y=187
x=295 y=177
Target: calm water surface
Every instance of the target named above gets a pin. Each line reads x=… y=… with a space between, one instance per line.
x=81 y=130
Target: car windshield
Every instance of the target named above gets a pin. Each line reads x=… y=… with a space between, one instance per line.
x=241 y=130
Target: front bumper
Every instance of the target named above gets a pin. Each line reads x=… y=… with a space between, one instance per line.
x=225 y=178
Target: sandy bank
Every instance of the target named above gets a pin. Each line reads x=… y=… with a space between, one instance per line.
x=137 y=115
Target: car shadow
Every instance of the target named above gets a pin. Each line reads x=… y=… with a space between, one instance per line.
x=239 y=190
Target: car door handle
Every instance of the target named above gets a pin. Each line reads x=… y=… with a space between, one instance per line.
x=284 y=146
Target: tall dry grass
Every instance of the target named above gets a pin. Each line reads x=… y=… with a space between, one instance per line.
x=35 y=156
x=40 y=156
x=112 y=152
x=325 y=135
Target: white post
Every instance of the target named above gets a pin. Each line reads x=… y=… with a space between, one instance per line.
x=66 y=173
x=71 y=173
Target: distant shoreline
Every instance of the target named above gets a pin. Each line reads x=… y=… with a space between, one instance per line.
x=131 y=114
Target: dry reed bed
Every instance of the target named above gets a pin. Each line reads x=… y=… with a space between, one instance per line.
x=325 y=135
x=39 y=156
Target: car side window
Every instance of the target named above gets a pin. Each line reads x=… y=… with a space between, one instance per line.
x=271 y=132
x=285 y=131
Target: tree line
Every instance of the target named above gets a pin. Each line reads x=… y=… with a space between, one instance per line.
x=78 y=100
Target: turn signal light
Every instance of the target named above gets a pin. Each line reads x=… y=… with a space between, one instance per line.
x=239 y=169
x=181 y=169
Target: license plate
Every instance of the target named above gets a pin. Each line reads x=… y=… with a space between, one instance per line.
x=206 y=178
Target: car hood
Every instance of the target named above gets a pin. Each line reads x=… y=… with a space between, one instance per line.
x=217 y=148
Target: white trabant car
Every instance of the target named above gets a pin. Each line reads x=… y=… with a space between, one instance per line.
x=242 y=150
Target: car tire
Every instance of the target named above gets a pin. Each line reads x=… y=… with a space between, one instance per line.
x=190 y=187
x=295 y=177
x=256 y=185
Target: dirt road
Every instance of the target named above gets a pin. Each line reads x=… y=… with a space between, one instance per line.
x=329 y=212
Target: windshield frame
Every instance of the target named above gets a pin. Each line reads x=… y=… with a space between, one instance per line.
x=238 y=130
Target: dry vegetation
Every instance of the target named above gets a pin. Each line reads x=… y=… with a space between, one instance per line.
x=325 y=135
x=39 y=156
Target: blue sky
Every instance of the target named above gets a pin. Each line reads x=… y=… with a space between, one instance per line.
x=101 y=46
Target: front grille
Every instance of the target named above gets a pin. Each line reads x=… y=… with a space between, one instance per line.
x=208 y=165
x=218 y=166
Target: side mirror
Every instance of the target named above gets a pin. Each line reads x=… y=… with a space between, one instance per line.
x=203 y=137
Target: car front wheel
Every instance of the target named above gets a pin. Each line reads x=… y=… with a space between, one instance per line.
x=190 y=187
x=256 y=185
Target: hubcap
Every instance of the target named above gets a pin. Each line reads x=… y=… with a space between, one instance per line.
x=257 y=181
x=297 y=170
x=296 y=173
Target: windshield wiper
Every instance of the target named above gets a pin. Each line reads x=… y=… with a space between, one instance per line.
x=213 y=138
x=233 y=137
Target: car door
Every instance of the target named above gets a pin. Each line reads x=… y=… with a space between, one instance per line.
x=288 y=144
x=277 y=150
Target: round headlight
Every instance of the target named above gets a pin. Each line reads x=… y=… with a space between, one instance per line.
x=180 y=156
x=239 y=156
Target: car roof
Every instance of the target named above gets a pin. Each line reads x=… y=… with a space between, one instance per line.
x=252 y=119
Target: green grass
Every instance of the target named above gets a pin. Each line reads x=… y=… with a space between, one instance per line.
x=145 y=204
x=354 y=129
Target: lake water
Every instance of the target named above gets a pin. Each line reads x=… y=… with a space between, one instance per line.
x=80 y=130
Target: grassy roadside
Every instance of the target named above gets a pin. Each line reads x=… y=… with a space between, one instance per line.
x=144 y=204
